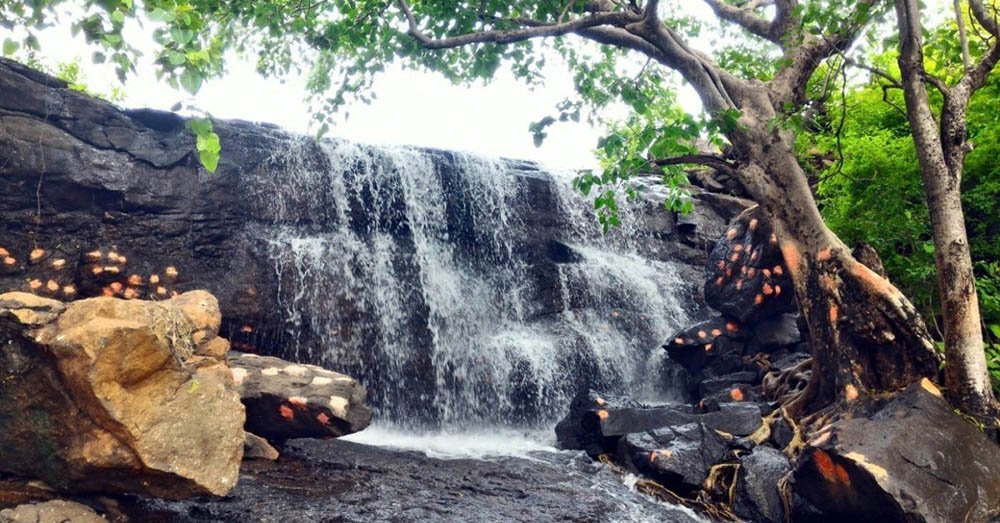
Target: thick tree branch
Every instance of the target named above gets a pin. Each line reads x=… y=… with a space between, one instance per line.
x=709 y=160
x=744 y=17
x=982 y=16
x=506 y=36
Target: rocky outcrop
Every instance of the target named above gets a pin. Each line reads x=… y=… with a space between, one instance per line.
x=913 y=460
x=109 y=395
x=285 y=400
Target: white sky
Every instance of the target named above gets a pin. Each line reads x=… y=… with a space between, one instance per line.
x=413 y=108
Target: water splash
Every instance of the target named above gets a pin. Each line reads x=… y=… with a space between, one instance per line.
x=461 y=290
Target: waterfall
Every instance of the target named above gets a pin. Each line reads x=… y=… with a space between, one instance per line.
x=460 y=290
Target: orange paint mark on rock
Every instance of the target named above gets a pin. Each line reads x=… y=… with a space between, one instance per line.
x=721 y=265
x=116 y=286
x=69 y=290
x=731 y=233
x=4 y=253
x=732 y=326
x=58 y=264
x=170 y=272
x=734 y=257
x=753 y=224
x=834 y=314
x=130 y=294
x=758 y=299
x=107 y=293
x=708 y=347
x=600 y=401
x=161 y=291
x=298 y=402
x=777 y=290
x=767 y=289
x=778 y=270
x=323 y=419
x=825 y=254
x=52 y=286
x=35 y=284
x=842 y=476
x=718 y=281
x=94 y=255
x=9 y=260
x=112 y=269
x=751 y=272
x=702 y=334
x=134 y=279
x=154 y=278
x=602 y=414
x=246 y=329
x=679 y=341
x=286 y=413
x=652 y=457
x=738 y=247
x=824 y=465
x=850 y=392
x=736 y=395
x=97 y=270
x=716 y=332
x=773 y=239
x=36 y=254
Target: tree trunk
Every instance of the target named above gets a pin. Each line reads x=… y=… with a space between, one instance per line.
x=941 y=155
x=867 y=338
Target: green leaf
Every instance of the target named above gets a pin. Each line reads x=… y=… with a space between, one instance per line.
x=995 y=329
x=191 y=80
x=10 y=47
x=160 y=15
x=118 y=17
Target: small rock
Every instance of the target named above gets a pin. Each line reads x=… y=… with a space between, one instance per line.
x=256 y=447
x=757 y=497
x=55 y=511
x=680 y=457
x=776 y=332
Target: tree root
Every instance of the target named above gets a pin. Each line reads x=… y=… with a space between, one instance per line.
x=701 y=503
x=793 y=388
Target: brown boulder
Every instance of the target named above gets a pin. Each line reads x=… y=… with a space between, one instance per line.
x=102 y=395
x=914 y=460
x=286 y=400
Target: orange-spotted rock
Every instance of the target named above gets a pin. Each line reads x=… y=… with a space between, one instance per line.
x=746 y=278
x=287 y=400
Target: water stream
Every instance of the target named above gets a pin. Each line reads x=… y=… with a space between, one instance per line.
x=464 y=292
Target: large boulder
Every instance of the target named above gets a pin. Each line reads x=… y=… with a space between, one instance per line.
x=914 y=460
x=108 y=395
x=286 y=400
x=746 y=276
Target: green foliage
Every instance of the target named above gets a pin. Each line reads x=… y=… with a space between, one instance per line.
x=206 y=142
x=870 y=188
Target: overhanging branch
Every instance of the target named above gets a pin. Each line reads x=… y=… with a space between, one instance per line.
x=698 y=159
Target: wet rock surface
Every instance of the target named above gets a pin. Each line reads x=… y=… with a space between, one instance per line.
x=678 y=457
x=350 y=482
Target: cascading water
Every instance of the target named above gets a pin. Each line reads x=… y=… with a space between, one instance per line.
x=460 y=290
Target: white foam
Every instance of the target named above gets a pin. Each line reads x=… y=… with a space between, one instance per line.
x=471 y=444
